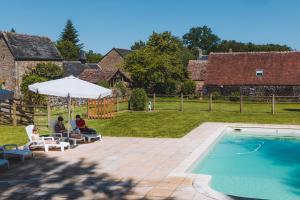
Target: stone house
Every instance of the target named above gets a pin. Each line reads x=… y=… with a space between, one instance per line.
x=109 y=69
x=19 y=53
x=254 y=73
x=197 y=70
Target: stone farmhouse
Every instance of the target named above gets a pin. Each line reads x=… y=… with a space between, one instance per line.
x=109 y=69
x=260 y=73
x=197 y=72
x=19 y=53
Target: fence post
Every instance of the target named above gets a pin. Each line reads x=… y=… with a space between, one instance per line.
x=241 y=103
x=154 y=99
x=273 y=104
x=14 y=114
x=181 y=102
x=49 y=112
x=210 y=103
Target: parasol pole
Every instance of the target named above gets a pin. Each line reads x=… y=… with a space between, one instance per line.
x=69 y=115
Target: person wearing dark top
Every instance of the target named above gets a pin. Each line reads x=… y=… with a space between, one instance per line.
x=81 y=125
x=60 y=127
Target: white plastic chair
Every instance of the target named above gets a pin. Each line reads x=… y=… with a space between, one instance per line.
x=41 y=143
x=88 y=137
x=15 y=151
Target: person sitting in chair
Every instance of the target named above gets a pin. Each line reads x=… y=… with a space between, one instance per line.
x=81 y=125
x=60 y=127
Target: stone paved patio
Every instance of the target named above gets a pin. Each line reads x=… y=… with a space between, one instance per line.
x=114 y=168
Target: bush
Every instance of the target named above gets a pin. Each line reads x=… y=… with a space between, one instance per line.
x=49 y=71
x=188 y=87
x=138 y=99
x=216 y=95
x=234 y=96
x=104 y=83
x=28 y=80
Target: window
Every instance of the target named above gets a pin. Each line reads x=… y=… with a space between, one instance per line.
x=259 y=73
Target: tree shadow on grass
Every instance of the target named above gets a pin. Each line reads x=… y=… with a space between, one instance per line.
x=48 y=178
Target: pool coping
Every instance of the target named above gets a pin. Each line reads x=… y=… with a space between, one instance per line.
x=202 y=181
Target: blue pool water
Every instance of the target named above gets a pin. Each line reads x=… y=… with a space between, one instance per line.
x=262 y=167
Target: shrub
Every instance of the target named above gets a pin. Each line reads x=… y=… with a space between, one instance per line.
x=234 y=96
x=138 y=99
x=104 y=83
x=188 y=87
x=216 y=95
x=49 y=71
x=28 y=80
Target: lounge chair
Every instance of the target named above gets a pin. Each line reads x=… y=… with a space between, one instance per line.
x=59 y=135
x=88 y=137
x=13 y=150
x=42 y=142
x=4 y=162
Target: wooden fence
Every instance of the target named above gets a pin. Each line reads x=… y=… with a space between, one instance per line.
x=16 y=112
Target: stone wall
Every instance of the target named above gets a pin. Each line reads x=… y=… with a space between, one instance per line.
x=255 y=90
x=111 y=60
x=7 y=72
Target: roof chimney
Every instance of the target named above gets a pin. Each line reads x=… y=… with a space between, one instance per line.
x=200 y=53
x=230 y=50
x=82 y=57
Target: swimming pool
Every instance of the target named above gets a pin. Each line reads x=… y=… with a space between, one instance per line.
x=254 y=163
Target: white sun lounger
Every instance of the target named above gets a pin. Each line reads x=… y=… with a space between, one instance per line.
x=42 y=143
x=16 y=152
x=4 y=162
x=88 y=137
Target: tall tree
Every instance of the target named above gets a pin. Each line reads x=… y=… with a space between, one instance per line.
x=137 y=45
x=235 y=46
x=12 y=30
x=70 y=33
x=201 y=37
x=160 y=66
x=93 y=57
x=68 y=50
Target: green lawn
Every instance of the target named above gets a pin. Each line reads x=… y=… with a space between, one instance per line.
x=169 y=122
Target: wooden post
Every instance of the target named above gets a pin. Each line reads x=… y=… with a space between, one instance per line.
x=241 y=103
x=181 y=102
x=14 y=114
x=154 y=99
x=273 y=104
x=49 y=112
x=210 y=103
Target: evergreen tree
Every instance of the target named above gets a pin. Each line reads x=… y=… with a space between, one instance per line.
x=70 y=34
x=12 y=30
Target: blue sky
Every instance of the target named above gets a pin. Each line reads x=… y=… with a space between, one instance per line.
x=103 y=24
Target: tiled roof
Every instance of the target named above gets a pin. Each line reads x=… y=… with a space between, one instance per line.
x=97 y=75
x=123 y=52
x=197 y=70
x=75 y=68
x=279 y=68
x=29 y=47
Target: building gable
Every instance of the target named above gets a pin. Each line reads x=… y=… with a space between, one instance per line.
x=114 y=58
